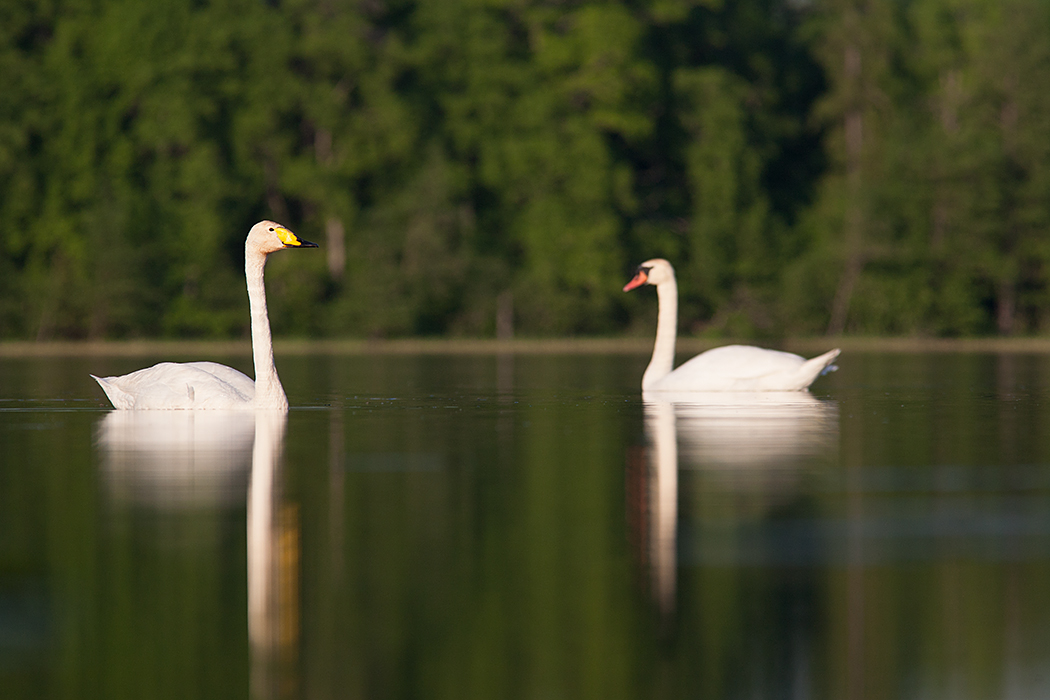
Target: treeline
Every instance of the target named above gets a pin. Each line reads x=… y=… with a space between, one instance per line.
x=861 y=166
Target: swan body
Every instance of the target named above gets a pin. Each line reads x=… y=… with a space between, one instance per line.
x=209 y=385
x=728 y=368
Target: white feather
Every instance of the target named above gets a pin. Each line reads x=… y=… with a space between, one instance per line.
x=209 y=385
x=728 y=368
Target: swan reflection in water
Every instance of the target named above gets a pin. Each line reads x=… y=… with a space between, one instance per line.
x=177 y=459
x=756 y=444
x=191 y=460
x=273 y=566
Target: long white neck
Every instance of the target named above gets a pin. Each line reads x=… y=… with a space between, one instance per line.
x=268 y=390
x=666 y=330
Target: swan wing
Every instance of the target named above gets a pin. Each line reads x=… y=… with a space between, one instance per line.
x=241 y=382
x=745 y=368
x=171 y=385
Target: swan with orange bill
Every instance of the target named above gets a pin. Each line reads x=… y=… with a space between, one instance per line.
x=727 y=368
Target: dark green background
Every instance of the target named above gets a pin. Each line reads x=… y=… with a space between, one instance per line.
x=868 y=166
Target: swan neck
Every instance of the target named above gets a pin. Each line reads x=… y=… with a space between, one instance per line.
x=268 y=390
x=662 y=361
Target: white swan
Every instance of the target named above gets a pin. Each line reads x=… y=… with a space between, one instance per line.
x=209 y=385
x=729 y=368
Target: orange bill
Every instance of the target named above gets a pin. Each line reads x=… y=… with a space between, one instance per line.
x=640 y=278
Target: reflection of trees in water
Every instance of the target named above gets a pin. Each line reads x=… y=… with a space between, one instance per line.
x=485 y=557
x=480 y=557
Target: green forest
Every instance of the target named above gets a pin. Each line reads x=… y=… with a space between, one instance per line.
x=473 y=166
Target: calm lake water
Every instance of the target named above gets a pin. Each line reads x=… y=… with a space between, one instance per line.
x=526 y=526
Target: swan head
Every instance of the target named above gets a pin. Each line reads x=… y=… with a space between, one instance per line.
x=269 y=236
x=655 y=272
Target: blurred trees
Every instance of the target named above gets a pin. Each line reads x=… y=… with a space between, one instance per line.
x=932 y=217
x=861 y=166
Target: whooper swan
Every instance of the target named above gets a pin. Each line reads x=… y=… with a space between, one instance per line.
x=209 y=385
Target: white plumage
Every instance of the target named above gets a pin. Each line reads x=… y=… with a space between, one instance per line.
x=728 y=368
x=209 y=385
x=172 y=385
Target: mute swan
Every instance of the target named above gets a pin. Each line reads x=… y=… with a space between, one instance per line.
x=729 y=368
x=192 y=385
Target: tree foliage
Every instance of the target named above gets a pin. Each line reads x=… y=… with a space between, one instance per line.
x=864 y=166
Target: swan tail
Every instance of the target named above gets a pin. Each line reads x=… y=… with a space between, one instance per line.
x=117 y=396
x=818 y=367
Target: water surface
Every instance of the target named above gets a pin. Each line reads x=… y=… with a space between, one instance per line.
x=527 y=526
